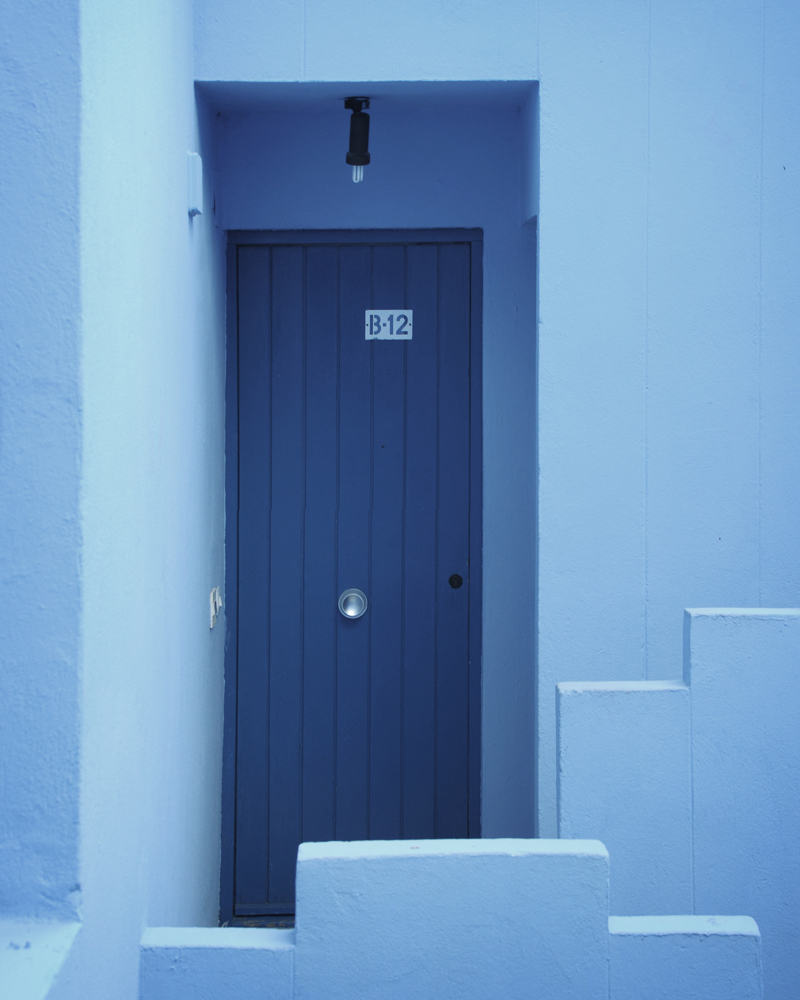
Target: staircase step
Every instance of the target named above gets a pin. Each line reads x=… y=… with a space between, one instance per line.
x=624 y=776
x=216 y=963
x=684 y=958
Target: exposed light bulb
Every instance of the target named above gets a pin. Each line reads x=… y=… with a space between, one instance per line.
x=358 y=175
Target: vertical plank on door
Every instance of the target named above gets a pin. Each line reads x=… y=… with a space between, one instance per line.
x=419 y=666
x=320 y=612
x=386 y=536
x=286 y=567
x=452 y=639
x=352 y=654
x=255 y=434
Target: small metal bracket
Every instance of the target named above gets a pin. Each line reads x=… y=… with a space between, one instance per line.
x=356 y=103
x=216 y=606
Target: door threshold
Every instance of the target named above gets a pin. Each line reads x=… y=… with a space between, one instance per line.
x=281 y=920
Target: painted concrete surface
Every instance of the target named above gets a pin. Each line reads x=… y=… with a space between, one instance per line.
x=152 y=368
x=452 y=919
x=473 y=176
x=779 y=349
x=625 y=777
x=684 y=958
x=466 y=919
x=593 y=169
x=31 y=956
x=216 y=963
x=693 y=788
x=660 y=484
x=744 y=671
x=40 y=459
x=411 y=40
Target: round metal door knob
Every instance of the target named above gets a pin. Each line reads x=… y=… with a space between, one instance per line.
x=353 y=603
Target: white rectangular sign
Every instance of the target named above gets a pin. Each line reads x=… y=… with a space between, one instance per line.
x=388 y=324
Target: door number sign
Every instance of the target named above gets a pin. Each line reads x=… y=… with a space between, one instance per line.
x=388 y=324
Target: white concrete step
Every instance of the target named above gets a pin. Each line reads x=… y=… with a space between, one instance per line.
x=684 y=958
x=216 y=963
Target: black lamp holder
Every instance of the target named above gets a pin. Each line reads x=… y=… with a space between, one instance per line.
x=356 y=103
x=358 y=154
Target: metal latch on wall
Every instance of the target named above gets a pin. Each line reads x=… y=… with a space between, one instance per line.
x=216 y=605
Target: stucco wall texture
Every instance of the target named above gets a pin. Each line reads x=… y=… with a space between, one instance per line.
x=647 y=455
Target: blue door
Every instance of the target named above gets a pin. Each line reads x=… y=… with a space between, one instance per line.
x=355 y=439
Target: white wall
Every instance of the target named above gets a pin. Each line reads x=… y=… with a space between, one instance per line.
x=40 y=432
x=153 y=521
x=743 y=670
x=250 y=40
x=667 y=336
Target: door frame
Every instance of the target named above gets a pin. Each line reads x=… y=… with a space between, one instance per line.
x=317 y=237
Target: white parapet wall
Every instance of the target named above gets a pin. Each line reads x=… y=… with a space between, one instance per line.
x=452 y=919
x=684 y=958
x=456 y=920
x=216 y=963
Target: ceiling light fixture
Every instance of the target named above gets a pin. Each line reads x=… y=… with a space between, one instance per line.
x=358 y=153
